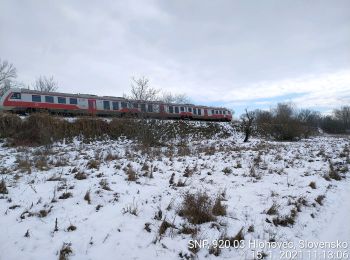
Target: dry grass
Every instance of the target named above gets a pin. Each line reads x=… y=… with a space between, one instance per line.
x=312 y=185
x=87 y=197
x=218 y=208
x=320 y=199
x=131 y=209
x=93 y=164
x=273 y=210
x=3 y=188
x=164 y=226
x=80 y=176
x=197 y=208
x=104 y=185
x=131 y=174
x=65 y=195
x=65 y=251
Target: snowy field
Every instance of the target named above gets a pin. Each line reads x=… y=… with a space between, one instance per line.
x=117 y=200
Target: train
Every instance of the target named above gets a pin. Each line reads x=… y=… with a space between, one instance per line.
x=20 y=100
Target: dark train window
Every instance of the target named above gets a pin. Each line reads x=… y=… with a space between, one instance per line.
x=176 y=110
x=182 y=109
x=150 y=107
x=124 y=105
x=73 y=101
x=199 y=111
x=143 y=107
x=61 y=100
x=106 y=105
x=16 y=95
x=189 y=109
x=36 y=98
x=212 y=112
x=195 y=111
x=220 y=112
x=224 y=112
x=115 y=105
x=217 y=112
x=135 y=105
x=171 y=109
x=49 y=99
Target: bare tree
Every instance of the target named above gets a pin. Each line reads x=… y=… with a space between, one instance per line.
x=168 y=97
x=247 y=123
x=343 y=115
x=46 y=84
x=7 y=73
x=141 y=90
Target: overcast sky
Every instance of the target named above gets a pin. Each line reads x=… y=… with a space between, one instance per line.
x=230 y=53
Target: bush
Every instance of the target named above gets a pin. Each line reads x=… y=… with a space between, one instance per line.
x=44 y=129
x=283 y=123
x=197 y=208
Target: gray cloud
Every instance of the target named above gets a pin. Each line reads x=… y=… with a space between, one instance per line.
x=211 y=50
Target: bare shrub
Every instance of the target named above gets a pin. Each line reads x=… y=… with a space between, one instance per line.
x=219 y=209
x=283 y=123
x=80 y=176
x=197 y=208
x=312 y=185
x=333 y=174
x=93 y=164
x=287 y=220
x=164 y=226
x=71 y=228
x=3 y=188
x=320 y=199
x=227 y=170
x=273 y=210
x=131 y=174
x=65 y=251
x=104 y=185
x=131 y=209
x=41 y=163
x=65 y=195
x=87 y=197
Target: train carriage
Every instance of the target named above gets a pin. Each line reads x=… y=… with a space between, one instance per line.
x=27 y=101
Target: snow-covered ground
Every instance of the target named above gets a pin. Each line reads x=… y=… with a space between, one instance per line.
x=133 y=190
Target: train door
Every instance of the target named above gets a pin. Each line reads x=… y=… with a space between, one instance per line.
x=161 y=108
x=92 y=106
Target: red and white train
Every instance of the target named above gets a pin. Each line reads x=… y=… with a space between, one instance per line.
x=26 y=101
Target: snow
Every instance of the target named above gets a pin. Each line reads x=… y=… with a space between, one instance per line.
x=282 y=174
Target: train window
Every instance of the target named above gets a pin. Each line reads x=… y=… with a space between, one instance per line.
x=135 y=105
x=143 y=107
x=61 y=100
x=150 y=108
x=124 y=105
x=36 y=98
x=73 y=101
x=176 y=110
x=171 y=109
x=49 y=99
x=195 y=111
x=199 y=111
x=106 y=105
x=189 y=109
x=212 y=112
x=216 y=112
x=16 y=95
x=220 y=112
x=115 y=105
x=182 y=109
